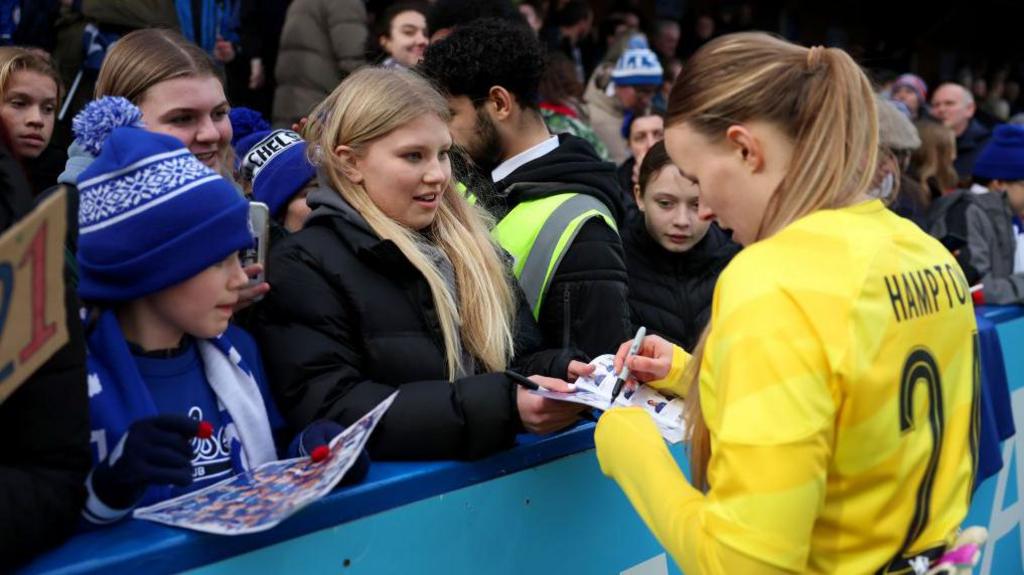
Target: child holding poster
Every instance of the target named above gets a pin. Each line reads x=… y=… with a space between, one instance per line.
x=177 y=394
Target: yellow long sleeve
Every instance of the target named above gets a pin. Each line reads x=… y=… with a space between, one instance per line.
x=632 y=452
x=840 y=348
x=673 y=384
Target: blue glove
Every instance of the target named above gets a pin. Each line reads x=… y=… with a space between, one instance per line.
x=154 y=451
x=318 y=433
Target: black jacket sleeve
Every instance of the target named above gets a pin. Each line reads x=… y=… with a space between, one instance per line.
x=44 y=455
x=586 y=305
x=312 y=349
x=531 y=357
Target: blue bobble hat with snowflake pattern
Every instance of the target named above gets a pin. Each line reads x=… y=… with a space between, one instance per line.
x=150 y=214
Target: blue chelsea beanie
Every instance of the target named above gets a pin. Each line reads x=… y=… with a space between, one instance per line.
x=638 y=65
x=278 y=168
x=151 y=215
x=1003 y=157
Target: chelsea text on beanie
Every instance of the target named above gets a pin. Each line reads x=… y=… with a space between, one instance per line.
x=278 y=168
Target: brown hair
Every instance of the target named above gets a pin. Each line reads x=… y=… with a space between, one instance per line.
x=933 y=160
x=558 y=83
x=821 y=99
x=656 y=159
x=15 y=59
x=144 y=58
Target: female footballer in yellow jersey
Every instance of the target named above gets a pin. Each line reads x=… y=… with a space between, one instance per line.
x=833 y=398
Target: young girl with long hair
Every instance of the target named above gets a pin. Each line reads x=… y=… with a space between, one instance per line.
x=833 y=399
x=394 y=282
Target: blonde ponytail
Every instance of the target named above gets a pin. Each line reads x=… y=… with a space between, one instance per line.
x=821 y=99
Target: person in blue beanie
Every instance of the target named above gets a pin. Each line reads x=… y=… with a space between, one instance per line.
x=177 y=395
x=279 y=158
x=995 y=236
x=278 y=172
x=629 y=86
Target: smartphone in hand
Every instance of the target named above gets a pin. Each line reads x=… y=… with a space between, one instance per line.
x=259 y=225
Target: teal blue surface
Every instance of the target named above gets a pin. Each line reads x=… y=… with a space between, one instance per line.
x=541 y=507
x=997 y=503
x=562 y=517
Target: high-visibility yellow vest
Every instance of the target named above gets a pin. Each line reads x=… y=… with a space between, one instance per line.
x=537 y=233
x=463 y=191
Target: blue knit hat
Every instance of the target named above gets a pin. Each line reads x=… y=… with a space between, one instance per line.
x=1003 y=157
x=278 y=168
x=150 y=215
x=244 y=123
x=638 y=65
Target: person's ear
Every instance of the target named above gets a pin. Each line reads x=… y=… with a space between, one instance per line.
x=638 y=197
x=349 y=163
x=502 y=101
x=746 y=146
x=382 y=41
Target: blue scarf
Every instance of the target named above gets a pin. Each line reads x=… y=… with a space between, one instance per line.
x=217 y=17
x=118 y=396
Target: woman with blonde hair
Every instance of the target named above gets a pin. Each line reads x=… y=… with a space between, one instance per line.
x=813 y=446
x=394 y=283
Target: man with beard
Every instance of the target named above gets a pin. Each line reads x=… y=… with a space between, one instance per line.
x=556 y=202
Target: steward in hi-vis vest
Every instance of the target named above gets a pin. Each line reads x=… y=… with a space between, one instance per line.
x=557 y=203
x=558 y=217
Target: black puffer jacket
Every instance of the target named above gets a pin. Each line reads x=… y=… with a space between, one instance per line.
x=968 y=145
x=349 y=320
x=586 y=304
x=670 y=294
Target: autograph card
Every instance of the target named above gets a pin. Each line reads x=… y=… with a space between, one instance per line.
x=596 y=391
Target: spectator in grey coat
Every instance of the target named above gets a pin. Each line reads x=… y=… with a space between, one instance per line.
x=322 y=42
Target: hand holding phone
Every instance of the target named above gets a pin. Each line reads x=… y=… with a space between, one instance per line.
x=255 y=258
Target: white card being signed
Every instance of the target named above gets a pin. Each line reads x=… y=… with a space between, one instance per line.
x=596 y=391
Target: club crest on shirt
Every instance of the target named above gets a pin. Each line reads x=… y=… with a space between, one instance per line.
x=211 y=456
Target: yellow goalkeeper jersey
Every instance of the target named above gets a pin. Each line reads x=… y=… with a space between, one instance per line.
x=840 y=386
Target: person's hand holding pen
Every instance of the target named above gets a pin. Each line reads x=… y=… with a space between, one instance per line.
x=653 y=359
x=542 y=415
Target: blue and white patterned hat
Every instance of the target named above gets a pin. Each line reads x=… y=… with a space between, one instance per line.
x=150 y=214
x=278 y=168
x=638 y=65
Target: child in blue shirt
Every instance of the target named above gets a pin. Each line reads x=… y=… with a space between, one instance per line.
x=178 y=398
